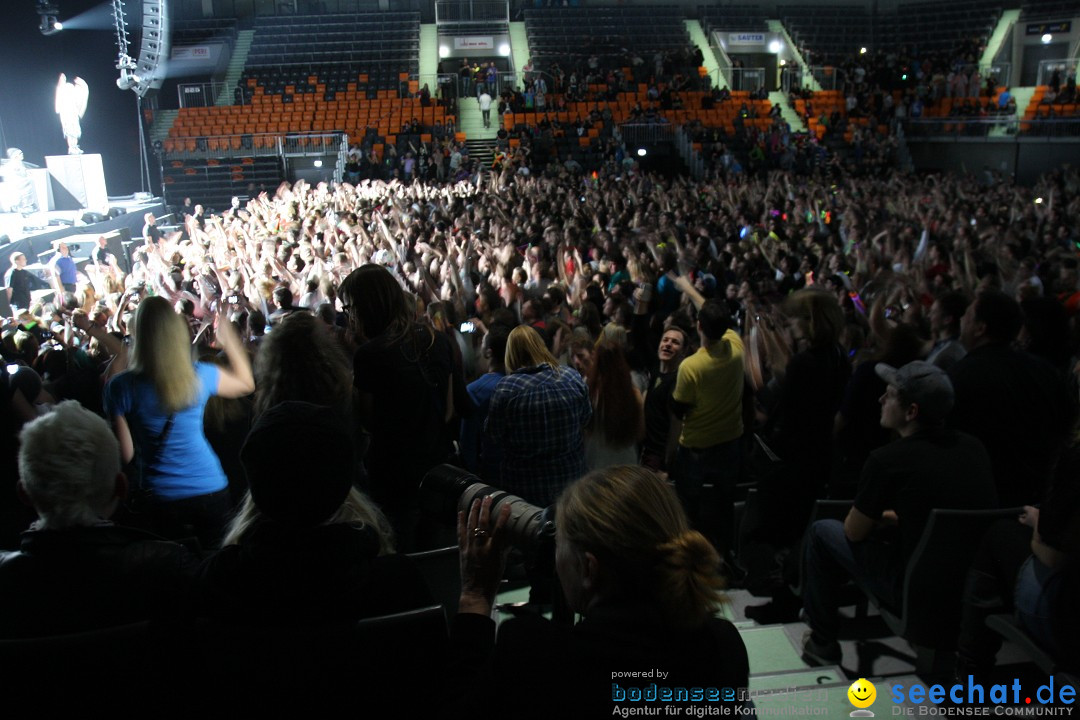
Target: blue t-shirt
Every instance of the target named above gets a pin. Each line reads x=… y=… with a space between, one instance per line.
x=186 y=465
x=472 y=440
x=66 y=267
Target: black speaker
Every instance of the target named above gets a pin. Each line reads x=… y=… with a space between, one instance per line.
x=117 y=212
x=154 y=45
x=89 y=218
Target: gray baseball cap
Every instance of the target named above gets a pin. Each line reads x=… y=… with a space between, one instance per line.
x=924 y=384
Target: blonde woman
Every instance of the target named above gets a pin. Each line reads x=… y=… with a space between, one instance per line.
x=646 y=585
x=156 y=408
x=538 y=416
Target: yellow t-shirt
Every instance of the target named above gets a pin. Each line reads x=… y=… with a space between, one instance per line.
x=711 y=382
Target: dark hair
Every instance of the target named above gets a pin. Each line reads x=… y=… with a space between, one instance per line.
x=616 y=411
x=377 y=302
x=283 y=297
x=715 y=319
x=301 y=361
x=1000 y=314
x=496 y=341
x=953 y=305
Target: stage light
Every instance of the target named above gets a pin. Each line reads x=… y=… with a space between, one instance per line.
x=775 y=47
x=504 y=50
x=862 y=51
x=49 y=24
x=783 y=62
x=641 y=152
x=127 y=79
x=444 y=51
x=318 y=163
x=1047 y=38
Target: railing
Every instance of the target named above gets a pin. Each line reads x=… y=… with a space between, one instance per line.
x=200 y=94
x=746 y=78
x=1063 y=66
x=257 y=145
x=1001 y=72
x=1051 y=127
x=959 y=127
x=471 y=11
x=637 y=133
x=723 y=61
x=693 y=159
x=446 y=82
x=828 y=77
x=342 y=158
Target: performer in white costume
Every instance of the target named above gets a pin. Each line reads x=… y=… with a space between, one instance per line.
x=70 y=106
x=17 y=189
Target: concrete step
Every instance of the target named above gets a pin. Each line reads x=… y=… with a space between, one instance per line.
x=787 y=112
x=163 y=122
x=699 y=38
x=778 y=27
x=519 y=45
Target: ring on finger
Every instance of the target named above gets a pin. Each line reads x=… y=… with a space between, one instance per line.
x=479 y=533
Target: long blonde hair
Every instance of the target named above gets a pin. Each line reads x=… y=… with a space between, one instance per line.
x=525 y=348
x=636 y=527
x=161 y=352
x=357 y=508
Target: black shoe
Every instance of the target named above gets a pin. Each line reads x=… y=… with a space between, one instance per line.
x=784 y=608
x=817 y=652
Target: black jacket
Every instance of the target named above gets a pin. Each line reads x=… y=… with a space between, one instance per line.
x=87 y=578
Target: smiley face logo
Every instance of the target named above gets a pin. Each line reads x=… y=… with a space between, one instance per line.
x=862 y=693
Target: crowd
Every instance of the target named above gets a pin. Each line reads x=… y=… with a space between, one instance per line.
x=776 y=329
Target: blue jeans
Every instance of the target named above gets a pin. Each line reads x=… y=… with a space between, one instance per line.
x=1037 y=589
x=718 y=466
x=832 y=560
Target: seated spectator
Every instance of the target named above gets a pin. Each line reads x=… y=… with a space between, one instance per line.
x=646 y=585
x=307 y=547
x=928 y=467
x=76 y=570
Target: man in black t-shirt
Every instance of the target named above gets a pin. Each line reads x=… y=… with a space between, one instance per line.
x=101 y=253
x=928 y=467
x=20 y=282
x=151 y=232
x=661 y=438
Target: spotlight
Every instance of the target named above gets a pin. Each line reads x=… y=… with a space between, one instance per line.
x=127 y=79
x=775 y=47
x=48 y=11
x=641 y=152
x=862 y=51
x=318 y=163
x=1047 y=38
x=444 y=51
x=783 y=62
x=49 y=25
x=504 y=50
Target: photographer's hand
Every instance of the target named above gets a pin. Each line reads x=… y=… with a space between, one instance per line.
x=483 y=550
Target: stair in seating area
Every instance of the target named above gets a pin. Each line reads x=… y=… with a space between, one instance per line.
x=793 y=119
x=163 y=122
x=482 y=151
x=236 y=66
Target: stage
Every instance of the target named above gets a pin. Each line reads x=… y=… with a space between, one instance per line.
x=34 y=235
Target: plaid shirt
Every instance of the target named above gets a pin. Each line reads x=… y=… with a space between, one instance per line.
x=538 y=417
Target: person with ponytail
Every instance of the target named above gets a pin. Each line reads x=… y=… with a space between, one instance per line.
x=647 y=588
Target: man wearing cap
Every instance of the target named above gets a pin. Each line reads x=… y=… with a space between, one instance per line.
x=929 y=467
